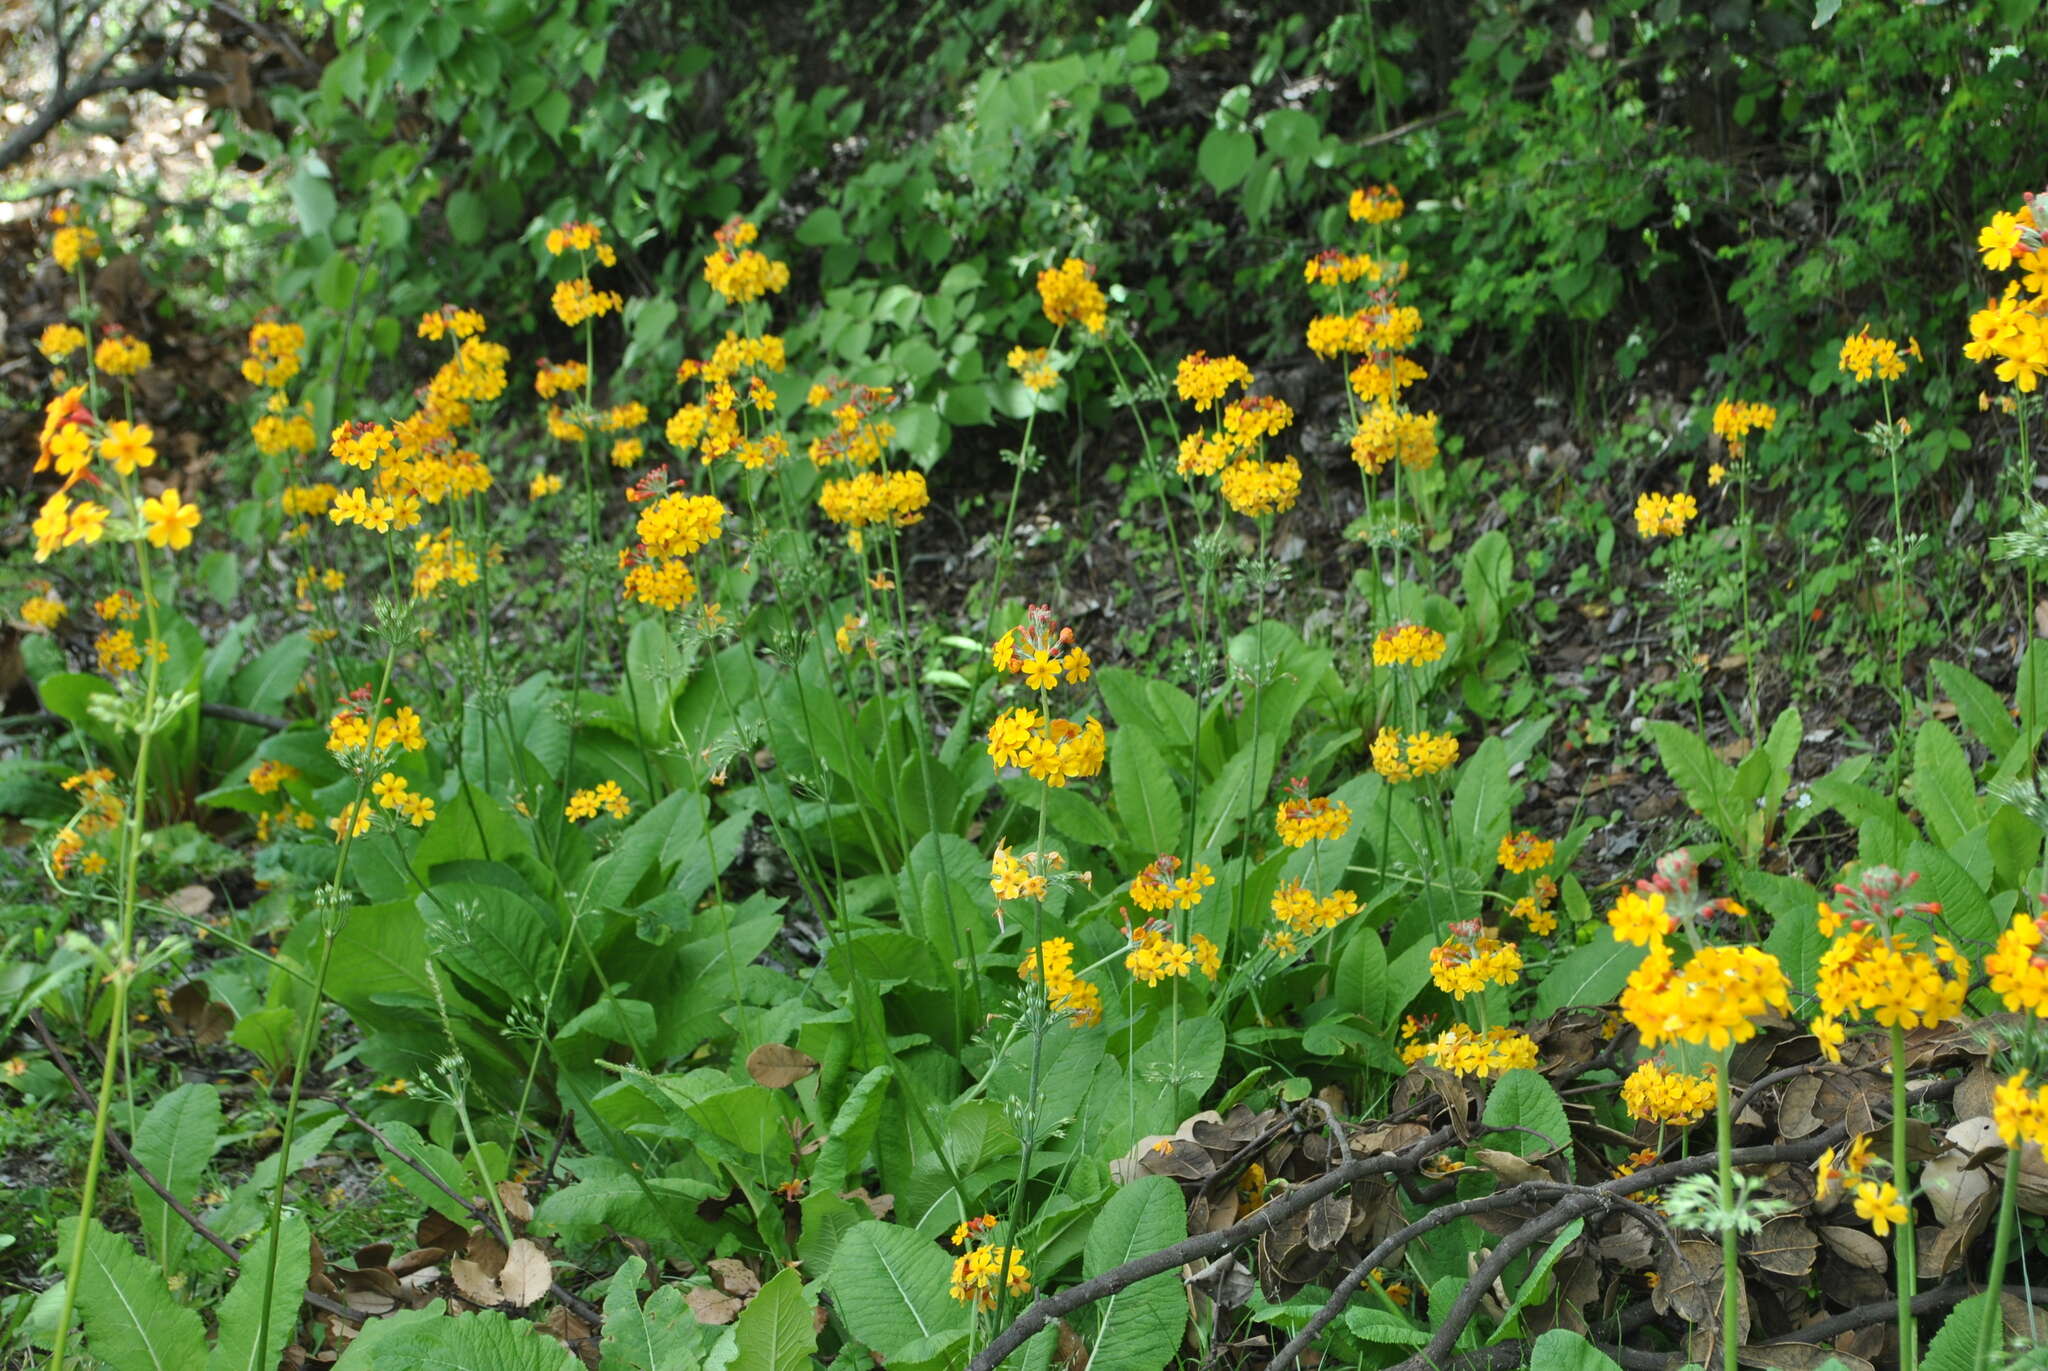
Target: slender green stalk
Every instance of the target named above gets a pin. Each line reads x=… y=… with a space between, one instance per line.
x=123 y=963
x=2001 y=1250
x=1905 y=1256
x=1731 y=1278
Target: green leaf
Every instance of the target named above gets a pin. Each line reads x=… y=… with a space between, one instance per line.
x=1707 y=782
x=1563 y=1350
x=1532 y=1286
x=241 y=1311
x=1979 y=707
x=1944 y=787
x=1142 y=1325
x=1362 y=986
x=1147 y=800
x=1292 y=134
x=434 y=1158
x=432 y=1341
x=131 y=1319
x=775 y=1331
x=1479 y=805
x=466 y=216
x=175 y=1141
x=335 y=284
x=845 y=1149
x=1523 y=1099
x=1795 y=938
x=1590 y=974
x=890 y=1288
x=1225 y=157
x=822 y=227
x=1966 y=915
x=312 y=196
x=1955 y=1347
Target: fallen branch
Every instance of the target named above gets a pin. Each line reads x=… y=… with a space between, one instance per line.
x=1201 y=1247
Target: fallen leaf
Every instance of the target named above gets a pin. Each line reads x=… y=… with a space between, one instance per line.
x=711 y=1305
x=512 y=1194
x=734 y=1277
x=1508 y=1166
x=527 y=1275
x=191 y=900
x=477 y=1285
x=775 y=1066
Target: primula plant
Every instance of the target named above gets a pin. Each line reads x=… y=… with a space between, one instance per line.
x=773 y=798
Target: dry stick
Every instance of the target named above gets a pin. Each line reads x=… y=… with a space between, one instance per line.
x=1406 y=1160
x=580 y=1307
x=1201 y=1247
x=147 y=1177
x=1580 y=1199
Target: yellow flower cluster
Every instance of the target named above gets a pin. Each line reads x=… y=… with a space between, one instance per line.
x=1042 y=652
x=349 y=731
x=308 y=501
x=1640 y=917
x=1533 y=909
x=375 y=512
x=64 y=524
x=578 y=236
x=1886 y=977
x=1335 y=267
x=2020 y=1114
x=1202 y=380
x=1051 y=749
x=738 y=272
x=1154 y=957
x=678 y=524
x=1386 y=434
x=99 y=810
x=119 y=651
x=1714 y=1000
x=1468 y=961
x=1377 y=205
x=1012 y=877
x=70 y=246
x=266 y=778
x=978 y=1273
x=576 y=301
x=441 y=559
x=1297 y=908
x=1656 y=1095
x=857 y=436
x=1069 y=295
x=1407 y=644
x=1524 y=852
x=121 y=354
x=1256 y=488
x=1160 y=886
x=1409 y=758
x=1479 y=1053
x=2012 y=329
x=437 y=324
x=1065 y=993
x=605 y=796
x=274 y=350
x=2018 y=966
x=1380 y=378
x=1301 y=820
x=1735 y=420
x=559 y=378
x=1828 y=1177
x=895 y=499
x=1863 y=355
x=59 y=341
x=1383 y=328
x=284 y=430
x=43 y=609
x=542 y=486
x=1033 y=367
x=392 y=791
x=1664 y=516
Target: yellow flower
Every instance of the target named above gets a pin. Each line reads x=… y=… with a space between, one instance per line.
x=1466 y=963
x=1069 y=295
x=1524 y=851
x=1407 y=644
x=1655 y=1095
x=2018 y=967
x=1202 y=380
x=1160 y=886
x=1881 y=1205
x=1640 y=917
x=60 y=341
x=1401 y=759
x=978 y=1274
x=170 y=521
x=1863 y=355
x=1376 y=205
x=1301 y=820
x=1664 y=515
x=127 y=446
x=543 y=485
x=2021 y=1115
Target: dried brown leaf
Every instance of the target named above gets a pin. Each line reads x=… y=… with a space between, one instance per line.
x=512 y=1194
x=711 y=1305
x=734 y=1277
x=1856 y=1247
x=527 y=1274
x=1797 y=1356
x=477 y=1285
x=1508 y=1166
x=1785 y=1247
x=776 y=1066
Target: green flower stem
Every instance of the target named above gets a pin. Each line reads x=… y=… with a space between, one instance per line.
x=1731 y=1279
x=123 y=964
x=2001 y=1249
x=1905 y=1258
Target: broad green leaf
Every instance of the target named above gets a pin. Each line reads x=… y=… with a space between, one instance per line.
x=437 y=1342
x=1563 y=1350
x=312 y=196
x=1979 y=707
x=889 y=1287
x=1944 y=787
x=1381 y=1326
x=466 y=216
x=1591 y=974
x=434 y=1158
x=1524 y=1100
x=1147 y=800
x=1362 y=987
x=131 y=1320
x=1139 y=1327
x=845 y=1149
x=1795 y=938
x=775 y=1331
x=1966 y=915
x=1531 y=1288
x=175 y=1141
x=1707 y=782
x=241 y=1311
x=1954 y=1348
x=1479 y=805
x=1224 y=157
